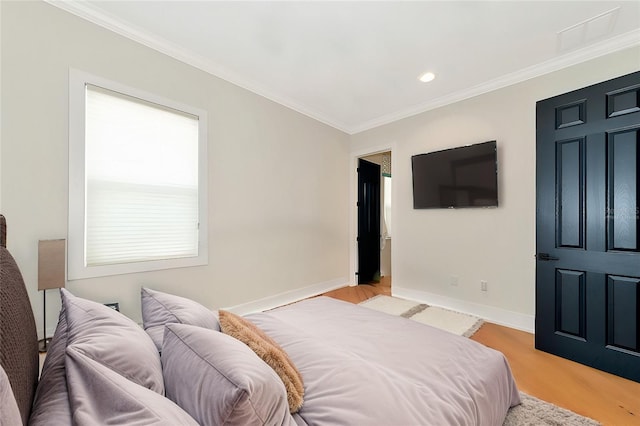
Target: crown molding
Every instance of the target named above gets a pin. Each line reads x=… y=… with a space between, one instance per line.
x=99 y=17
x=614 y=44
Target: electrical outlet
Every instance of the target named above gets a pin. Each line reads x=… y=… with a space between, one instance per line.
x=483 y=285
x=453 y=280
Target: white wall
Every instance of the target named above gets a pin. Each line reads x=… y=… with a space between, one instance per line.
x=278 y=202
x=497 y=245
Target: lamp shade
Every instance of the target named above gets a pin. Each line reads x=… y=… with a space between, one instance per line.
x=51 y=259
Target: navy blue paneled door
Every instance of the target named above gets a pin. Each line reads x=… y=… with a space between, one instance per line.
x=588 y=229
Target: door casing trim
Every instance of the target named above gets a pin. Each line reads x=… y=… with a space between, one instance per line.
x=353 y=198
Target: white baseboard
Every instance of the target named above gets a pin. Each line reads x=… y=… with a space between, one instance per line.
x=489 y=313
x=288 y=297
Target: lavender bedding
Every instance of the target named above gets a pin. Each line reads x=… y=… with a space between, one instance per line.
x=359 y=367
x=363 y=367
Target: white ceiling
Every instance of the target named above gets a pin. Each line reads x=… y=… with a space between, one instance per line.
x=355 y=65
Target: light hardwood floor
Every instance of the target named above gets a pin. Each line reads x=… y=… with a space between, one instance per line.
x=604 y=397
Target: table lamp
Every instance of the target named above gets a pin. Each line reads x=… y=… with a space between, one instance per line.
x=51 y=259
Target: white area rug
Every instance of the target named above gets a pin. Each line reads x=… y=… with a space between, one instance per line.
x=390 y=305
x=532 y=411
x=445 y=319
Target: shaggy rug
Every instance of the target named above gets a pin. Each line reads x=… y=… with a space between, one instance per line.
x=535 y=412
x=532 y=411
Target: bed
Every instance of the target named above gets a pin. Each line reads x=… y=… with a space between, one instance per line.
x=316 y=362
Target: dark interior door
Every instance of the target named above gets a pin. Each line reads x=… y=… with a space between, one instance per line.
x=588 y=233
x=368 y=222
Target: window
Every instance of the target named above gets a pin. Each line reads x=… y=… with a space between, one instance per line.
x=137 y=180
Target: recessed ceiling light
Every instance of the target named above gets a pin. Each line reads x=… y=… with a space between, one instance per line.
x=427 y=77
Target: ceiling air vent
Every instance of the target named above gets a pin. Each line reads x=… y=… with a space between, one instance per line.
x=588 y=31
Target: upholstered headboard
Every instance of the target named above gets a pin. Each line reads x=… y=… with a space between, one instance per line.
x=18 y=336
x=3 y=231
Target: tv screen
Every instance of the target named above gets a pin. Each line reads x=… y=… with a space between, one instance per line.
x=459 y=177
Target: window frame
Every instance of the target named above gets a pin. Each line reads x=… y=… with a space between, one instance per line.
x=76 y=267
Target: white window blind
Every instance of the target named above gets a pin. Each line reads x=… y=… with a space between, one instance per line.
x=141 y=180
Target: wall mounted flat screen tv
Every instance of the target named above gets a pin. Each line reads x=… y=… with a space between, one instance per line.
x=466 y=176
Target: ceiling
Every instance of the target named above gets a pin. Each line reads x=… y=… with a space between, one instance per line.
x=355 y=65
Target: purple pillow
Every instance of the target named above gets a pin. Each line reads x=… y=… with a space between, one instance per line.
x=219 y=380
x=113 y=340
x=160 y=308
x=8 y=405
x=98 y=395
x=51 y=403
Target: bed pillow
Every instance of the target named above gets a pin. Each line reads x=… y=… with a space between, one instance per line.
x=218 y=380
x=160 y=308
x=269 y=351
x=8 y=405
x=51 y=403
x=115 y=341
x=98 y=395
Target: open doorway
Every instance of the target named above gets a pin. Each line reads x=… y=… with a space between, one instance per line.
x=374 y=233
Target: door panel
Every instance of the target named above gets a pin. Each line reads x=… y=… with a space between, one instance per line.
x=622 y=305
x=588 y=231
x=623 y=101
x=570 y=297
x=623 y=190
x=368 y=222
x=570 y=184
